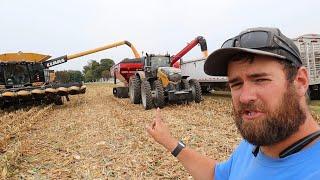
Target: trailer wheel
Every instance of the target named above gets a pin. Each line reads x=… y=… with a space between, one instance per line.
x=146 y=95
x=314 y=92
x=159 y=94
x=135 y=89
x=196 y=90
x=205 y=89
x=121 y=92
x=185 y=84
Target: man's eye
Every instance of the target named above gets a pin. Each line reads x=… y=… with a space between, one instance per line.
x=234 y=85
x=261 y=80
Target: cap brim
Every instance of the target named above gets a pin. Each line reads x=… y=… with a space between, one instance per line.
x=217 y=62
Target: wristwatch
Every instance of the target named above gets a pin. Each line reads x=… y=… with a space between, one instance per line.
x=178 y=149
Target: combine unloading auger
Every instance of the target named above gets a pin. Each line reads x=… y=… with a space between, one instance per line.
x=25 y=78
x=65 y=58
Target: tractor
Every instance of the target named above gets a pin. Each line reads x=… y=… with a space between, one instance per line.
x=159 y=83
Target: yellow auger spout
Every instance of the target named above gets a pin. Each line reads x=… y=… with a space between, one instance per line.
x=109 y=46
x=63 y=59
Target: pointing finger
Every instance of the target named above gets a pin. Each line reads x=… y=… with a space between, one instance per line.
x=158 y=114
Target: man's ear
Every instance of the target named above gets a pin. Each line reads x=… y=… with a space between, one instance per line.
x=302 y=81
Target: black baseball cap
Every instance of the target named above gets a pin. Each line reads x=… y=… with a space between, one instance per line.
x=258 y=41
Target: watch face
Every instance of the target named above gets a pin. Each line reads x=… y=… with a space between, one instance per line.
x=182 y=144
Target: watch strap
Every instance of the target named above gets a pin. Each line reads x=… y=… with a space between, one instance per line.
x=178 y=149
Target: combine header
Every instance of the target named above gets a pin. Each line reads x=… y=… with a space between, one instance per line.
x=25 y=78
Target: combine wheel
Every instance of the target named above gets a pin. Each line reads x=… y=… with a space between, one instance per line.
x=1 y=102
x=159 y=94
x=58 y=100
x=83 y=89
x=135 y=89
x=146 y=95
x=196 y=90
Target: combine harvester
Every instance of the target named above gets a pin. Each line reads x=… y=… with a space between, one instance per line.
x=153 y=81
x=25 y=78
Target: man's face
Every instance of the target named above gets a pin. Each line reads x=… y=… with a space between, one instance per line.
x=266 y=106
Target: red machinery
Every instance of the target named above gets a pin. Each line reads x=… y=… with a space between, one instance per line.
x=125 y=69
x=198 y=40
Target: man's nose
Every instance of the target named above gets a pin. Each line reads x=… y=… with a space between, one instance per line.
x=247 y=94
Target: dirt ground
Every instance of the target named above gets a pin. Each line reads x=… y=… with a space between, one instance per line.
x=97 y=136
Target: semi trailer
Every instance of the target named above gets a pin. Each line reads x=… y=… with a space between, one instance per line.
x=309 y=47
x=194 y=69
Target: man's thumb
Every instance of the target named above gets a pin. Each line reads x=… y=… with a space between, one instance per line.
x=149 y=129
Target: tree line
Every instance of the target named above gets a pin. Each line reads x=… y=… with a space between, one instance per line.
x=92 y=72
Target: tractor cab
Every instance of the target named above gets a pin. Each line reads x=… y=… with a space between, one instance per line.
x=152 y=63
x=158 y=66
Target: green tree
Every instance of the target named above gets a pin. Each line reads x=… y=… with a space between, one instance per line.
x=106 y=63
x=76 y=76
x=88 y=76
x=106 y=74
x=94 y=71
x=69 y=76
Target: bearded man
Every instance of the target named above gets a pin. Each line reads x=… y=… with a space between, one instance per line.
x=269 y=95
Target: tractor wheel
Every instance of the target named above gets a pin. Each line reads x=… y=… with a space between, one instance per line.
x=196 y=90
x=146 y=95
x=159 y=94
x=184 y=84
x=135 y=89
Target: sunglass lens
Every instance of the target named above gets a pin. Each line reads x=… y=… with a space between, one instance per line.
x=254 y=40
x=228 y=43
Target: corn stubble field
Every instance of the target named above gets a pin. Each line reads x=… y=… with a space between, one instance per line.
x=97 y=136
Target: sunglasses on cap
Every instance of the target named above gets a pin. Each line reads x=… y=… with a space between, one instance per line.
x=260 y=39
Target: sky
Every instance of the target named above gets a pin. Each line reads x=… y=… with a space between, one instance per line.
x=65 y=27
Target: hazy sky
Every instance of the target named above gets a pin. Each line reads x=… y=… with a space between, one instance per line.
x=59 y=27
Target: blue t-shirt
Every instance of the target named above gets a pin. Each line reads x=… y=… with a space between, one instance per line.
x=243 y=165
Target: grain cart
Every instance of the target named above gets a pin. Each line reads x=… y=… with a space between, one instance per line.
x=154 y=82
x=309 y=47
x=25 y=78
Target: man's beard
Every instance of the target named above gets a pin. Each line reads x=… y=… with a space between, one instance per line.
x=278 y=125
